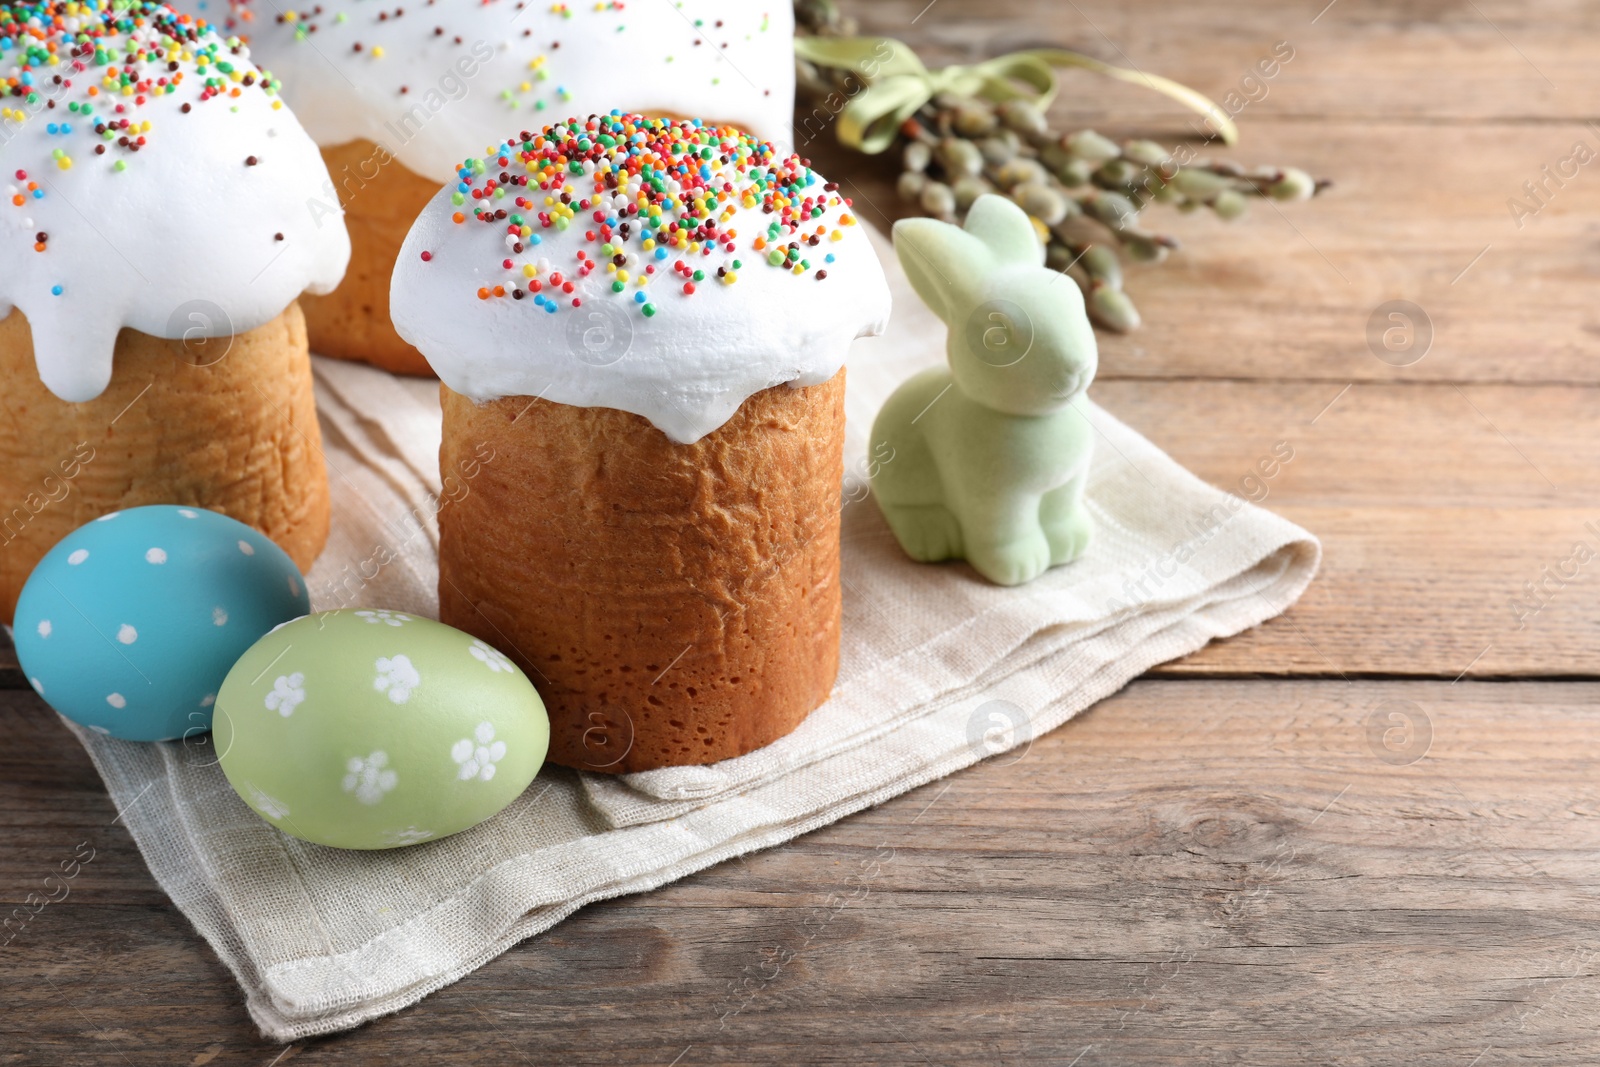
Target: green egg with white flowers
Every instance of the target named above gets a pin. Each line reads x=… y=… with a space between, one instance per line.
x=369 y=729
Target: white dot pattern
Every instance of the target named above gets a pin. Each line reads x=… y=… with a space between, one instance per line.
x=105 y=574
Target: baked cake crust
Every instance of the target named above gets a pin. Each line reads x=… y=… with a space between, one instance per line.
x=179 y=424
x=675 y=604
x=381 y=198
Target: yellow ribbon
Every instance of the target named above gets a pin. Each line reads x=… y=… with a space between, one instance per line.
x=895 y=84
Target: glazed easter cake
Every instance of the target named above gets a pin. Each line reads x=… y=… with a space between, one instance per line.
x=156 y=238
x=646 y=321
x=397 y=95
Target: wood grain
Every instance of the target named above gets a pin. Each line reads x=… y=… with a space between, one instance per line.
x=1380 y=62
x=1194 y=872
x=1436 y=504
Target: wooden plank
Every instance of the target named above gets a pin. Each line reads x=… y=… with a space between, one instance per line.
x=1438 y=593
x=1435 y=504
x=1390 y=445
x=1192 y=872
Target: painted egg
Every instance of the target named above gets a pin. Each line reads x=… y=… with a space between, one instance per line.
x=129 y=625
x=372 y=729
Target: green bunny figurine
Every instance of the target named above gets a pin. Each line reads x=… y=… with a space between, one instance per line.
x=987 y=459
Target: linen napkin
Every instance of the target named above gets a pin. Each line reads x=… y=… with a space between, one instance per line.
x=939 y=669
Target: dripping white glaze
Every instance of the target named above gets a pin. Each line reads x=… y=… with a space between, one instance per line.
x=185 y=240
x=686 y=369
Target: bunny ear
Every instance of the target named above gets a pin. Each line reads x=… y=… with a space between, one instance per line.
x=1006 y=229
x=938 y=257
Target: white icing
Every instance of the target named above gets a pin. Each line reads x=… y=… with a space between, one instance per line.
x=687 y=369
x=462 y=97
x=181 y=242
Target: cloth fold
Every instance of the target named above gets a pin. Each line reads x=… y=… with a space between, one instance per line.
x=938 y=670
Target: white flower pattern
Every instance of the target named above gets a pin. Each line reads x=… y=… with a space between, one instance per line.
x=288 y=691
x=393 y=618
x=478 y=760
x=489 y=656
x=411 y=835
x=396 y=677
x=270 y=806
x=369 y=778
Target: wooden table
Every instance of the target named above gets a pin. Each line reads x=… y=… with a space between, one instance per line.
x=1365 y=833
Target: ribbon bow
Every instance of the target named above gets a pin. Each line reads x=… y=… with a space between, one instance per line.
x=895 y=84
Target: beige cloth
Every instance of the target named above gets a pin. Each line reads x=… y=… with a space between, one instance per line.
x=939 y=670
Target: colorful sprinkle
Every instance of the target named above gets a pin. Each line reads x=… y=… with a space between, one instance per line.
x=644 y=192
x=105 y=61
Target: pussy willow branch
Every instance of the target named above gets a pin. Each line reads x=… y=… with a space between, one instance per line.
x=1084 y=192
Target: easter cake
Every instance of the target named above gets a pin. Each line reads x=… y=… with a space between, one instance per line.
x=646 y=321
x=156 y=233
x=397 y=95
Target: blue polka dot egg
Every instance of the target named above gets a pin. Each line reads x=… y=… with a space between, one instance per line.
x=130 y=624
